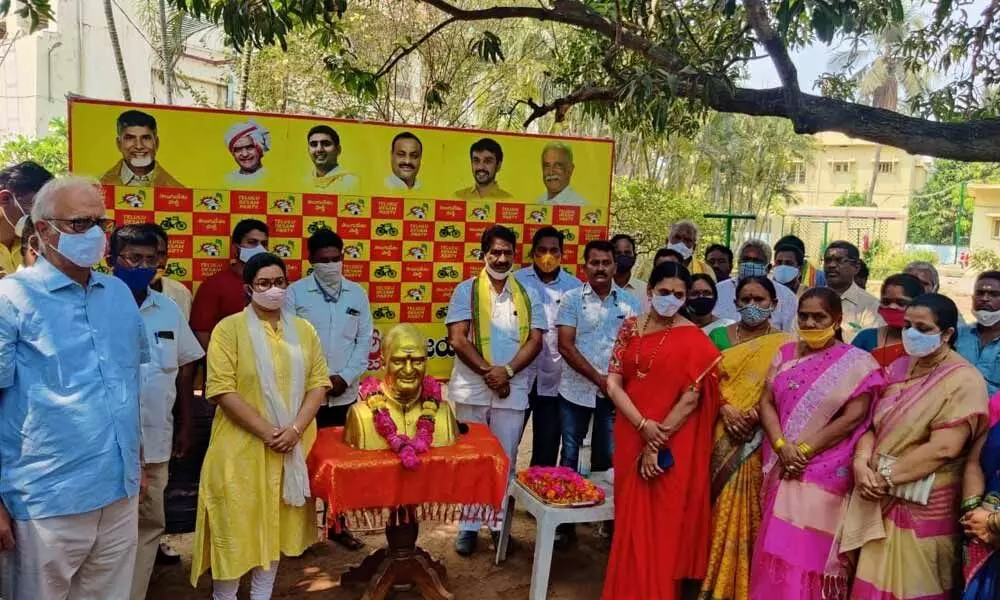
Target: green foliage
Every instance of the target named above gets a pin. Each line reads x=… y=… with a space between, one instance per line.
x=851 y=199
x=645 y=210
x=36 y=11
x=888 y=261
x=50 y=151
x=984 y=259
x=934 y=212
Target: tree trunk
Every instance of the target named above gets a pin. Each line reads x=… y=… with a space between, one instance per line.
x=116 y=48
x=245 y=76
x=168 y=74
x=870 y=198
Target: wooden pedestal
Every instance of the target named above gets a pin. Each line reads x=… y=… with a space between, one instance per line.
x=401 y=564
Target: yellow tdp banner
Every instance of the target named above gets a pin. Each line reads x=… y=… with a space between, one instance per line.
x=411 y=202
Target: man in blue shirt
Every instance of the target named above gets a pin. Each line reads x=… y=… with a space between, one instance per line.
x=71 y=343
x=978 y=343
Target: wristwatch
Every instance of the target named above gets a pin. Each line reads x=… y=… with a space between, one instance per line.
x=509 y=370
x=886 y=473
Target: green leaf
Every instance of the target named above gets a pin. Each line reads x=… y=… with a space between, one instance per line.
x=488 y=48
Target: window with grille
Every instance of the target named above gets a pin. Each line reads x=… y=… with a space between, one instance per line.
x=886 y=167
x=841 y=166
x=996 y=229
x=797 y=174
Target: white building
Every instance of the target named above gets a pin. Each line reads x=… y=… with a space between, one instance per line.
x=72 y=54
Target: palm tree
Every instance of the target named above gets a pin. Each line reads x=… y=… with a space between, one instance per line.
x=116 y=48
x=874 y=63
x=168 y=30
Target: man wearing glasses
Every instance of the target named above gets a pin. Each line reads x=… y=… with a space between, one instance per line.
x=174 y=350
x=71 y=345
x=338 y=309
x=841 y=262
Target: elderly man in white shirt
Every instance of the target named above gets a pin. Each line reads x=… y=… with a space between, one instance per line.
x=174 y=350
x=551 y=283
x=247 y=143
x=495 y=324
x=755 y=261
x=339 y=311
x=557 y=170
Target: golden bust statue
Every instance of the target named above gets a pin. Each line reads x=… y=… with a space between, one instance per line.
x=405 y=395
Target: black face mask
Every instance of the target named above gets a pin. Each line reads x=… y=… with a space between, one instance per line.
x=625 y=262
x=700 y=306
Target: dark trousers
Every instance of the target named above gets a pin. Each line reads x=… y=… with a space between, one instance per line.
x=576 y=422
x=332 y=416
x=545 y=428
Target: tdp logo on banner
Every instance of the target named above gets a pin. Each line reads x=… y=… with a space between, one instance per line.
x=410 y=202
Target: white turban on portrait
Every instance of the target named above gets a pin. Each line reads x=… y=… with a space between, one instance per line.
x=252 y=129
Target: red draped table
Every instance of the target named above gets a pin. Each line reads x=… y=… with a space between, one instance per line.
x=372 y=489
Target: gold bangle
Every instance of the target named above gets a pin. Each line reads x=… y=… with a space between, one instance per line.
x=642 y=423
x=296 y=430
x=779 y=443
x=805 y=449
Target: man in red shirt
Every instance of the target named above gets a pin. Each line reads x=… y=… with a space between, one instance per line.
x=223 y=294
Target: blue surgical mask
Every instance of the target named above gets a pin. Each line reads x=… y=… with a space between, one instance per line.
x=785 y=274
x=918 y=344
x=666 y=306
x=753 y=315
x=752 y=269
x=136 y=278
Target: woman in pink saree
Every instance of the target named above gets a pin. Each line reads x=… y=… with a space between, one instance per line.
x=819 y=393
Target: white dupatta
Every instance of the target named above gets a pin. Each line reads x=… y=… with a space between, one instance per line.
x=295 y=483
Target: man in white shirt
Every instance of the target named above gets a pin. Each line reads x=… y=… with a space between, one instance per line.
x=547 y=278
x=589 y=319
x=338 y=309
x=625 y=248
x=495 y=346
x=171 y=288
x=407 y=151
x=755 y=261
x=174 y=350
x=557 y=170
x=840 y=264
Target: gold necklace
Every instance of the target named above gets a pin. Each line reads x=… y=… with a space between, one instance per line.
x=739 y=338
x=639 y=373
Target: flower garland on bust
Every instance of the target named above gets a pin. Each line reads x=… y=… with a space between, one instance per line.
x=408 y=449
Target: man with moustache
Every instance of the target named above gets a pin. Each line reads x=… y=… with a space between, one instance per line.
x=840 y=265
x=979 y=343
x=557 y=170
x=327 y=176
x=487 y=158
x=18 y=185
x=406 y=154
x=551 y=283
x=138 y=143
x=589 y=318
x=495 y=324
x=247 y=143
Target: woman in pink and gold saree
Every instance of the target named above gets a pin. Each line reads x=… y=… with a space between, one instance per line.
x=820 y=391
x=901 y=533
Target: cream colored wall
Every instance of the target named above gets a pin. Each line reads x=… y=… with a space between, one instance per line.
x=892 y=191
x=73 y=56
x=986 y=201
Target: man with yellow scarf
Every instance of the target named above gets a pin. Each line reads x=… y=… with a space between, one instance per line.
x=495 y=325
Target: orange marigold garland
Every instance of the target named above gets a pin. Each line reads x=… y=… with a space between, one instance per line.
x=561 y=485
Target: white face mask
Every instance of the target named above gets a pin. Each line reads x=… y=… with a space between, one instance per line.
x=919 y=344
x=19 y=225
x=247 y=253
x=682 y=249
x=329 y=274
x=785 y=273
x=496 y=274
x=987 y=318
x=271 y=299
x=666 y=306
x=82 y=249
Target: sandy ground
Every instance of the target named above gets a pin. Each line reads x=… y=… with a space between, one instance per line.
x=577 y=571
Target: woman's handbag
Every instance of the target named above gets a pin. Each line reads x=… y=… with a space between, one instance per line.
x=918 y=492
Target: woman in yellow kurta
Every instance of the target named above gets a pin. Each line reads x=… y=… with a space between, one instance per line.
x=253 y=498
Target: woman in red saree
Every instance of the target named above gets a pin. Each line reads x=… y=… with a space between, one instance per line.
x=662 y=380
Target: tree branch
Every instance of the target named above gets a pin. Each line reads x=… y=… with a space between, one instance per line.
x=394 y=58
x=758 y=19
x=588 y=93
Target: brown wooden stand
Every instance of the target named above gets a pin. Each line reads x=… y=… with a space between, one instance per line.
x=400 y=564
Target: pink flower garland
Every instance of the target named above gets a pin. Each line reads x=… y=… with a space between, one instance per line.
x=408 y=449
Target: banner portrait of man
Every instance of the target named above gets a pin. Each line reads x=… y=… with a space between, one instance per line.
x=138 y=142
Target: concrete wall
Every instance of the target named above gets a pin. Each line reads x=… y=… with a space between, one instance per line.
x=986 y=202
x=73 y=56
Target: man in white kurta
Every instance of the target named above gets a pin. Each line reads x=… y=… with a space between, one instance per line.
x=494 y=389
